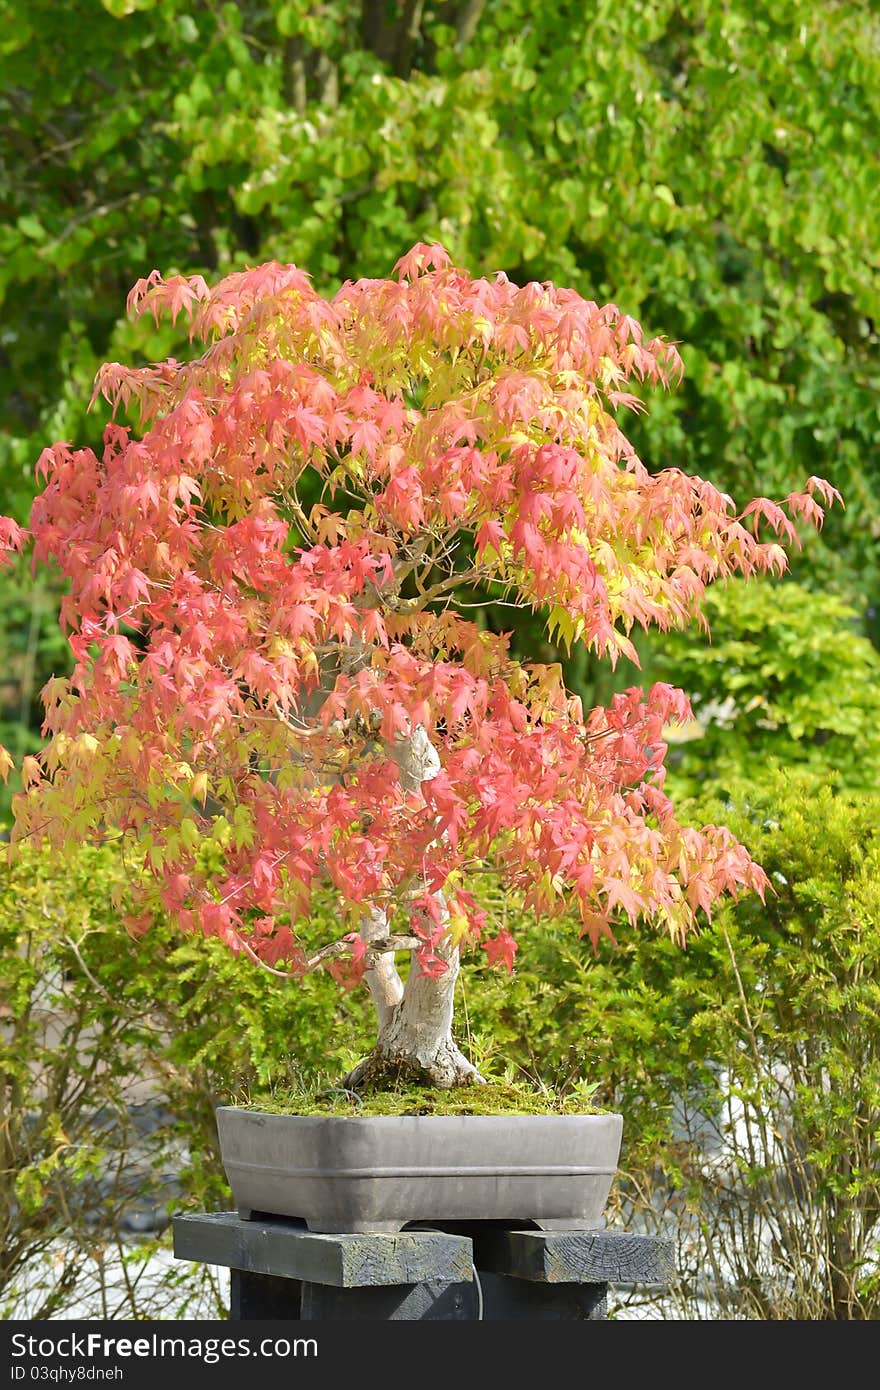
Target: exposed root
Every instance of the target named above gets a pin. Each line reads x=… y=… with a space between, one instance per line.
x=385 y=1070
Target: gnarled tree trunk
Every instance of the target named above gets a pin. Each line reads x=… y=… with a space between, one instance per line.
x=415 y=1019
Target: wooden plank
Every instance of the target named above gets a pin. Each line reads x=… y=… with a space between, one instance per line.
x=273 y=1245
x=576 y=1257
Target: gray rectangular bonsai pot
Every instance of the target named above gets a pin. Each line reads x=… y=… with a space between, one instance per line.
x=381 y=1173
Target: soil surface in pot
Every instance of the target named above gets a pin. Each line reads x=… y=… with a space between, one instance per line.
x=493 y=1098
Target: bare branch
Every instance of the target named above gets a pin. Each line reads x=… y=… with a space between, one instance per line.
x=295 y=75
x=394 y=943
x=328 y=78
x=382 y=977
x=468 y=18
x=69 y=941
x=344 y=946
x=408 y=31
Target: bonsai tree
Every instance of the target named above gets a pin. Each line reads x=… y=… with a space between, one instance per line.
x=281 y=677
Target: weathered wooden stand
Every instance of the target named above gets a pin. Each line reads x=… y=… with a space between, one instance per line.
x=280 y=1270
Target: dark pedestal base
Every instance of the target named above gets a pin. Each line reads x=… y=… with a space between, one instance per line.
x=280 y=1270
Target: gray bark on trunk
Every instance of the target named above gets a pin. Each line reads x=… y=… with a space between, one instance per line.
x=415 y=1019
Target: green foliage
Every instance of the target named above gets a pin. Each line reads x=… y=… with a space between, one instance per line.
x=783 y=676
x=793 y=1017
x=68 y=1055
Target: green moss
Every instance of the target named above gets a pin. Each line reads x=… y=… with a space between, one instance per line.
x=494 y=1098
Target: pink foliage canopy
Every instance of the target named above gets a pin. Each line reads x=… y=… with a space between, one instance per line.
x=269 y=590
